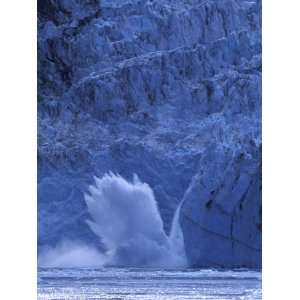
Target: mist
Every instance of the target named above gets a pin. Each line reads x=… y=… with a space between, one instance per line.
x=70 y=254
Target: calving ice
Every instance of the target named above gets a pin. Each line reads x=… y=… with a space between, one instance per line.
x=125 y=217
x=169 y=90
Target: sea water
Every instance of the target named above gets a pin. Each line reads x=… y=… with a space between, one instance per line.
x=147 y=284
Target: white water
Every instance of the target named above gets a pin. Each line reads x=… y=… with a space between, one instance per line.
x=125 y=217
x=176 y=235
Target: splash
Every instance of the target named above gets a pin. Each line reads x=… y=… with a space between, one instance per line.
x=176 y=236
x=125 y=217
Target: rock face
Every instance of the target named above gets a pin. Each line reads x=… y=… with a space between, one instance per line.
x=169 y=90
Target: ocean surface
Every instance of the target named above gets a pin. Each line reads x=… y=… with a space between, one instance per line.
x=150 y=284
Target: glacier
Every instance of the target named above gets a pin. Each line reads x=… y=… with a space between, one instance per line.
x=168 y=90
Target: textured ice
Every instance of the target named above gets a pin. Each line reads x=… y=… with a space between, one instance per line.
x=169 y=90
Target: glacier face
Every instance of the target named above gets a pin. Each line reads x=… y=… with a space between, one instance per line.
x=169 y=90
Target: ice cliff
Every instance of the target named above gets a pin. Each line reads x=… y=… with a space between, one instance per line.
x=169 y=90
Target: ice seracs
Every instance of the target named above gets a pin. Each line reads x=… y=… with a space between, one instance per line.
x=170 y=90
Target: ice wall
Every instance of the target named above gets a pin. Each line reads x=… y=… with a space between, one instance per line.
x=170 y=90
